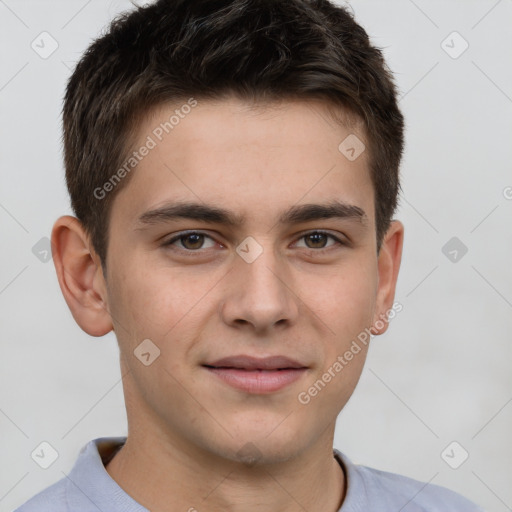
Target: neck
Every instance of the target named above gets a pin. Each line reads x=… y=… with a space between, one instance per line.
x=163 y=476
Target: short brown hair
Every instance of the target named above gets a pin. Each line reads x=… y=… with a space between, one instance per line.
x=208 y=49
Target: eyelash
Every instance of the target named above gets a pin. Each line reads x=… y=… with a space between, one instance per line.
x=190 y=252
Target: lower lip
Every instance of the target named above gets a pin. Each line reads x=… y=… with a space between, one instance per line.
x=258 y=381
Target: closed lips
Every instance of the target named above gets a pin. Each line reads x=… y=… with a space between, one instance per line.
x=249 y=363
x=257 y=375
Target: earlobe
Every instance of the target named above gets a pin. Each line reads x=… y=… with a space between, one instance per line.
x=389 y=260
x=80 y=276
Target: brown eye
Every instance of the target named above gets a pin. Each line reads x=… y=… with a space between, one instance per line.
x=192 y=241
x=318 y=240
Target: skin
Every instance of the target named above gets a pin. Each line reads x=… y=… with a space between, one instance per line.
x=186 y=427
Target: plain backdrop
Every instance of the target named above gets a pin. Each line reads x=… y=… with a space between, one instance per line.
x=440 y=375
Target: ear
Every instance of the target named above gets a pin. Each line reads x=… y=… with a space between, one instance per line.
x=389 y=259
x=80 y=276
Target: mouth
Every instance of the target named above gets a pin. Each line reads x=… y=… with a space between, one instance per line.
x=257 y=375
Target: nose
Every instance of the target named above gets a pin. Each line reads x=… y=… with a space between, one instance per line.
x=260 y=294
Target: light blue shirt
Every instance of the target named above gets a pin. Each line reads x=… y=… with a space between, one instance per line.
x=89 y=488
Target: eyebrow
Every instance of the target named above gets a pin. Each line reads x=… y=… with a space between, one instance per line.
x=215 y=214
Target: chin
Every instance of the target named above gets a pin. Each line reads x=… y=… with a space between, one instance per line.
x=251 y=454
x=263 y=446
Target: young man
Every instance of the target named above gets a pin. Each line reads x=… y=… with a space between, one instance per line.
x=233 y=166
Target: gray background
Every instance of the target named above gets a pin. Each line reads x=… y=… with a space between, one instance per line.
x=442 y=371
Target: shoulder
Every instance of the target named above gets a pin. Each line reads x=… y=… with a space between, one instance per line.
x=86 y=483
x=53 y=499
x=389 y=491
x=415 y=495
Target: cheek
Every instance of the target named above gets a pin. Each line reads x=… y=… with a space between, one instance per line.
x=145 y=306
x=160 y=304
x=346 y=301
x=138 y=301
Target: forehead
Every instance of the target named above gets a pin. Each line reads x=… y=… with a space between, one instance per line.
x=251 y=157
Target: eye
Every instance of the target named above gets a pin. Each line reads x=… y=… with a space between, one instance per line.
x=318 y=239
x=191 y=241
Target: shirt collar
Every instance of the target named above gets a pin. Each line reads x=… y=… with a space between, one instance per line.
x=89 y=482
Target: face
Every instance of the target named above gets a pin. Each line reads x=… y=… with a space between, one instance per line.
x=302 y=287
